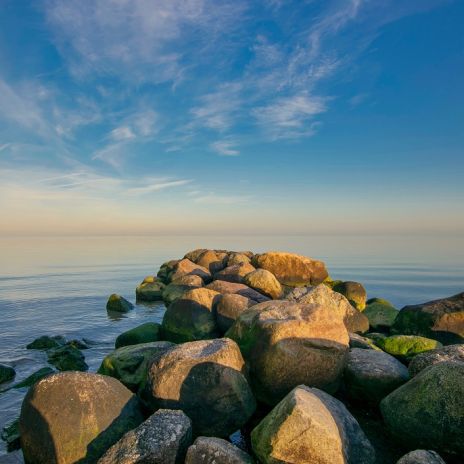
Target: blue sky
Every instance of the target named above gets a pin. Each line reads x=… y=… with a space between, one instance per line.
x=213 y=116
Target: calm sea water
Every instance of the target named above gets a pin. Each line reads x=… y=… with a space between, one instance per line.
x=60 y=285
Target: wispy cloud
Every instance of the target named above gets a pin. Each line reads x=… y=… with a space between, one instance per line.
x=157 y=185
x=225 y=148
x=217 y=199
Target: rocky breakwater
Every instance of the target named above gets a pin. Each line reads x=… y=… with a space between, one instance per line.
x=306 y=367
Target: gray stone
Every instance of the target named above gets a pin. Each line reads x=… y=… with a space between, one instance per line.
x=421 y=457
x=211 y=450
x=447 y=353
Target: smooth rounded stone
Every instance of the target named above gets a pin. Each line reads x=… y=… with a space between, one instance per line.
x=238 y=258
x=354 y=292
x=163 y=438
x=206 y=380
x=286 y=344
x=224 y=287
x=447 y=353
x=310 y=426
x=428 y=411
x=353 y=319
x=145 y=333
x=406 y=346
x=187 y=267
x=75 y=417
x=175 y=290
x=358 y=341
x=370 y=375
x=149 y=279
x=421 y=457
x=67 y=358
x=235 y=273
x=7 y=373
x=129 y=364
x=10 y=435
x=442 y=320
x=119 y=304
x=264 y=282
x=192 y=316
x=212 y=450
x=381 y=314
x=150 y=291
x=291 y=269
x=229 y=308
x=212 y=261
x=195 y=254
x=166 y=269
x=46 y=342
x=191 y=280
x=34 y=377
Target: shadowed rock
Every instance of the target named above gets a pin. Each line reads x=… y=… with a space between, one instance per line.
x=234 y=273
x=144 y=333
x=119 y=304
x=421 y=457
x=211 y=450
x=354 y=292
x=229 y=308
x=240 y=289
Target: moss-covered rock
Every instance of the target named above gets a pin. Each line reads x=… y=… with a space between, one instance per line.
x=428 y=410
x=406 y=346
x=150 y=291
x=354 y=292
x=119 y=304
x=381 y=314
x=46 y=342
x=7 y=373
x=358 y=341
x=129 y=364
x=429 y=358
x=35 y=377
x=10 y=435
x=67 y=358
x=145 y=333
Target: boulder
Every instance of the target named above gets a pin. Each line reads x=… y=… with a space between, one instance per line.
x=195 y=254
x=354 y=292
x=149 y=279
x=10 y=435
x=119 y=304
x=75 y=417
x=370 y=375
x=240 y=289
x=46 y=342
x=381 y=314
x=190 y=280
x=234 y=273
x=7 y=373
x=150 y=291
x=358 y=341
x=175 y=290
x=34 y=377
x=406 y=346
x=428 y=410
x=145 y=333
x=447 y=353
x=421 y=457
x=291 y=269
x=286 y=344
x=206 y=380
x=192 y=316
x=67 y=358
x=187 y=267
x=211 y=450
x=310 y=426
x=212 y=261
x=238 y=258
x=442 y=320
x=129 y=364
x=264 y=282
x=166 y=270
x=230 y=306
x=163 y=438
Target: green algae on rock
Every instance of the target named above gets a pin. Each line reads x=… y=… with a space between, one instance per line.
x=67 y=358
x=119 y=304
x=406 y=346
x=381 y=314
x=7 y=373
x=144 y=333
x=354 y=292
x=150 y=291
x=46 y=342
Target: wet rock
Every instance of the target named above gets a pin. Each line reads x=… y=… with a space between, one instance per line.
x=75 y=417
x=240 y=289
x=381 y=314
x=264 y=282
x=7 y=373
x=150 y=291
x=211 y=450
x=45 y=342
x=119 y=304
x=35 y=377
x=354 y=292
x=421 y=457
x=10 y=435
x=145 y=333
x=235 y=273
x=163 y=438
x=406 y=346
x=429 y=358
x=67 y=358
x=229 y=308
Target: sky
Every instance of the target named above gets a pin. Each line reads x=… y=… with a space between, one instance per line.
x=231 y=117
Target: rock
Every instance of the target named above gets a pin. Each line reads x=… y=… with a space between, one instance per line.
x=447 y=353
x=238 y=258
x=192 y=316
x=235 y=273
x=75 y=417
x=150 y=291
x=195 y=254
x=7 y=373
x=129 y=364
x=145 y=333
x=381 y=314
x=428 y=410
x=406 y=346
x=119 y=304
x=79 y=344
x=354 y=292
x=310 y=426
x=166 y=270
x=186 y=267
x=354 y=320
x=212 y=261
x=421 y=457
x=163 y=438
x=370 y=375
x=291 y=269
x=206 y=380
x=174 y=290
x=45 y=342
x=10 y=435
x=358 y=341
x=35 y=377
x=211 y=450
x=190 y=280
x=230 y=306
x=286 y=344
x=264 y=282
x=442 y=320
x=240 y=289
x=67 y=358
x=149 y=279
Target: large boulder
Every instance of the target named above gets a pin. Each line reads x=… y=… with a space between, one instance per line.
x=206 y=380
x=421 y=457
x=212 y=450
x=145 y=333
x=229 y=308
x=75 y=417
x=442 y=320
x=193 y=255
x=239 y=258
x=129 y=364
x=370 y=375
x=428 y=411
x=192 y=316
x=163 y=438
x=7 y=373
x=150 y=291
x=264 y=282
x=212 y=261
x=166 y=269
x=381 y=314
x=310 y=426
x=354 y=292
x=119 y=304
x=234 y=273
x=224 y=287
x=447 y=353
x=187 y=267
x=406 y=346
x=176 y=289
x=286 y=344
x=292 y=269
